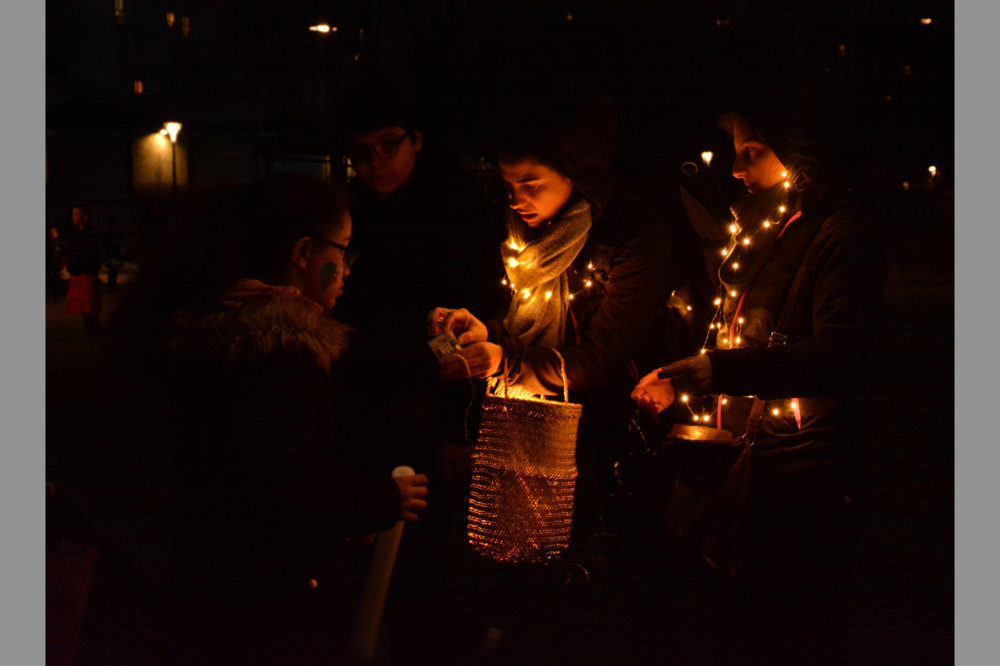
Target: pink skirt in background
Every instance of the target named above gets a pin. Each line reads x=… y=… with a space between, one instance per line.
x=83 y=296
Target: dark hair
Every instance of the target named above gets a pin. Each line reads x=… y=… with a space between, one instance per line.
x=282 y=208
x=571 y=130
x=809 y=122
x=378 y=103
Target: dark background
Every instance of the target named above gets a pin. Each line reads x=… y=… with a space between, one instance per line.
x=257 y=92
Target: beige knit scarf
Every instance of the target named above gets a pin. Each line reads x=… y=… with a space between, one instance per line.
x=536 y=263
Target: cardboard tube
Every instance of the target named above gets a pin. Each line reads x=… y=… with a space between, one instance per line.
x=364 y=642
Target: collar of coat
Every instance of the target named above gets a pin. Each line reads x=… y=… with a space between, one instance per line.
x=264 y=328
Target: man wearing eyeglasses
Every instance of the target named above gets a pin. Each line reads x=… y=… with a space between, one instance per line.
x=385 y=158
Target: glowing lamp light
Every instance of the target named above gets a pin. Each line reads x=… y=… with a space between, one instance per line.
x=787 y=184
x=323 y=28
x=548 y=295
x=512 y=262
x=724 y=253
x=732 y=228
x=504 y=282
x=571 y=297
x=767 y=224
x=784 y=174
x=684 y=397
x=590 y=266
x=775 y=411
x=926 y=21
x=588 y=283
x=932 y=170
x=695 y=418
x=736 y=265
x=781 y=209
x=718 y=301
x=706 y=157
x=171 y=129
x=526 y=293
x=738 y=339
x=733 y=293
x=689 y=308
x=703 y=351
x=746 y=241
x=706 y=418
x=725 y=400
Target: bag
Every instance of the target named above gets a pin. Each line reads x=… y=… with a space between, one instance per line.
x=523 y=477
x=707 y=508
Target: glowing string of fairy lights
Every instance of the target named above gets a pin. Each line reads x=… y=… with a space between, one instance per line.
x=728 y=335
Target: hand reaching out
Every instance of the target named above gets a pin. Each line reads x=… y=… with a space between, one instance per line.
x=655 y=392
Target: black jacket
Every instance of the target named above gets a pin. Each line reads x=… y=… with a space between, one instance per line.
x=829 y=351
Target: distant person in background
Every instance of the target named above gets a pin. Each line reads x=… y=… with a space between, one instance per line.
x=55 y=268
x=82 y=259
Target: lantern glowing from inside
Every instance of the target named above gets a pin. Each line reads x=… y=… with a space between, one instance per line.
x=523 y=477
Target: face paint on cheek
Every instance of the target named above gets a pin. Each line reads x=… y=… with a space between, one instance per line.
x=328 y=274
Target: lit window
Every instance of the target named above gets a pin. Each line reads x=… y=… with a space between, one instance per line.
x=137 y=86
x=171 y=20
x=185 y=26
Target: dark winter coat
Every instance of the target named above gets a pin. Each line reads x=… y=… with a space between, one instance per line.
x=829 y=350
x=264 y=505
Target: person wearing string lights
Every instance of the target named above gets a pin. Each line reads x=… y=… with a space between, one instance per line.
x=797 y=311
x=599 y=266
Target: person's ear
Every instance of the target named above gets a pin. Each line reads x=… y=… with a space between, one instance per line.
x=418 y=140
x=301 y=251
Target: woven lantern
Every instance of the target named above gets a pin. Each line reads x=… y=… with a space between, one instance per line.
x=523 y=477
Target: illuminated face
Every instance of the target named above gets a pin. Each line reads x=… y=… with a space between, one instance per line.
x=385 y=158
x=322 y=277
x=755 y=163
x=535 y=191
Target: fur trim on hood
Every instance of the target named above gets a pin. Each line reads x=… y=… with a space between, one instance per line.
x=280 y=324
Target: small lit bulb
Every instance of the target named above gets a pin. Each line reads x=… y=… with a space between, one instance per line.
x=926 y=21
x=767 y=224
x=689 y=308
x=787 y=184
x=724 y=253
x=706 y=157
x=781 y=209
x=732 y=228
x=775 y=411
x=590 y=266
x=711 y=327
x=738 y=339
x=784 y=174
x=571 y=297
x=684 y=397
x=512 y=262
x=588 y=283
x=706 y=418
x=736 y=265
x=733 y=293
x=548 y=295
x=740 y=320
x=695 y=418
x=717 y=301
x=703 y=351
x=725 y=341
x=504 y=282
x=795 y=404
x=746 y=241
x=526 y=293
x=725 y=401
x=932 y=170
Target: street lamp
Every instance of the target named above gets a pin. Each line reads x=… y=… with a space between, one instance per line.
x=172 y=129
